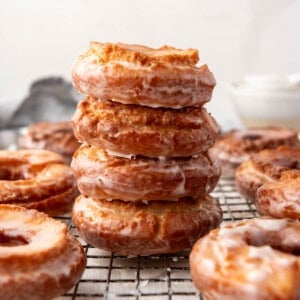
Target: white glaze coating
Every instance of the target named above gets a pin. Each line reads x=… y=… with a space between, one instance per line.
x=242 y=268
x=100 y=175
x=272 y=225
x=128 y=130
x=237 y=146
x=93 y=78
x=45 y=265
x=49 y=181
x=144 y=229
x=87 y=69
x=281 y=198
x=29 y=157
x=119 y=154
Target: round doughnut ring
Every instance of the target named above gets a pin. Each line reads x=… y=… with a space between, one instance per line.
x=36 y=179
x=235 y=147
x=54 y=136
x=280 y=199
x=101 y=176
x=268 y=166
x=129 y=130
x=144 y=229
x=250 y=259
x=134 y=74
x=39 y=259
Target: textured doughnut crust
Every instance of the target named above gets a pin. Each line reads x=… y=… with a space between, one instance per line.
x=102 y=176
x=143 y=55
x=134 y=74
x=48 y=262
x=56 y=204
x=36 y=179
x=236 y=146
x=129 y=130
x=280 y=199
x=54 y=136
x=24 y=160
x=266 y=166
x=248 y=180
x=145 y=229
x=249 y=259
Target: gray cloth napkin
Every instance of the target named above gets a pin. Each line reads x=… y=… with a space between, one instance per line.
x=49 y=99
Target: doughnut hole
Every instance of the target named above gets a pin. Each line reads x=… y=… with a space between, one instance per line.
x=11 y=174
x=275 y=240
x=251 y=137
x=288 y=162
x=7 y=240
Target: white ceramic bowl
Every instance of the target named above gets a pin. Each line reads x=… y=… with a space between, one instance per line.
x=268 y=100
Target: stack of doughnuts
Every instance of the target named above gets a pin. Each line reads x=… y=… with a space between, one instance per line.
x=143 y=169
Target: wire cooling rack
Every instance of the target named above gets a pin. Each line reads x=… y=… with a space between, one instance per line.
x=164 y=277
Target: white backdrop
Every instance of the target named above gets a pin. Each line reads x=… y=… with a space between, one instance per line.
x=235 y=37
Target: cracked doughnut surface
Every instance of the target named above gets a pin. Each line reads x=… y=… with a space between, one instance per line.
x=129 y=130
x=102 y=176
x=235 y=147
x=269 y=171
x=36 y=179
x=54 y=136
x=249 y=259
x=145 y=228
x=39 y=259
x=135 y=74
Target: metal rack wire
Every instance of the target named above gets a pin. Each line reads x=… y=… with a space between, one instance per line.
x=163 y=277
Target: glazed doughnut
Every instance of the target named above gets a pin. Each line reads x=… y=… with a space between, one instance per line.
x=134 y=74
x=54 y=136
x=36 y=179
x=280 y=199
x=236 y=147
x=129 y=130
x=144 y=229
x=39 y=259
x=101 y=176
x=249 y=259
x=267 y=166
